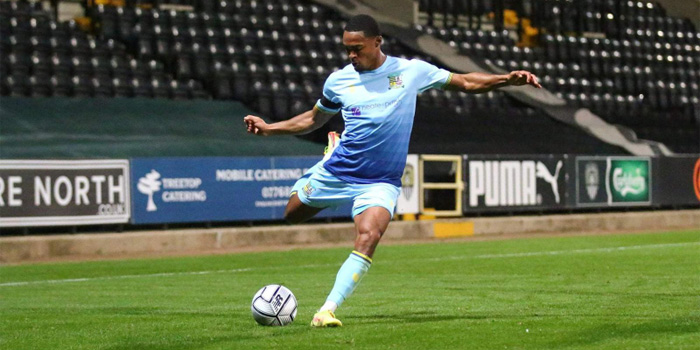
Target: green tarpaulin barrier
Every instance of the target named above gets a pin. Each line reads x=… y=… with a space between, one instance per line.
x=43 y=128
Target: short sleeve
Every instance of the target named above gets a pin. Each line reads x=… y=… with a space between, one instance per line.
x=430 y=76
x=330 y=101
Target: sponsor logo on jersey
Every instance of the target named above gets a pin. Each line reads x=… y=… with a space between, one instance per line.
x=395 y=81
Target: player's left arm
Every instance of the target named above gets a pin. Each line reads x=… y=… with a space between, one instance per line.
x=483 y=82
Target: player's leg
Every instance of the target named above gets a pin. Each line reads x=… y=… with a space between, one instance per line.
x=372 y=214
x=298 y=212
x=370 y=226
x=301 y=206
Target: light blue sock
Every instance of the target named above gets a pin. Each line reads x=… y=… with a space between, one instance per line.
x=349 y=276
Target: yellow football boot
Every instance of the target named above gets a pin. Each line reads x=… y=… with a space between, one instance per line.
x=333 y=140
x=325 y=319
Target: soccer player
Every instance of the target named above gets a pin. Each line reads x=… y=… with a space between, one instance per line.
x=376 y=95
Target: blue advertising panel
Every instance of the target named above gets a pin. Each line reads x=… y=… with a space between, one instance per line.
x=176 y=190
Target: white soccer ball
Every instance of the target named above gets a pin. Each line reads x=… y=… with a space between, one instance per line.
x=274 y=305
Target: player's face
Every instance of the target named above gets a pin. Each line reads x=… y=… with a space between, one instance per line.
x=362 y=51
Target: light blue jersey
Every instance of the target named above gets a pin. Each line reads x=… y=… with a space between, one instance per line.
x=378 y=107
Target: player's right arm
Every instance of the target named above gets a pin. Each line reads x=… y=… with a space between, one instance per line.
x=325 y=108
x=298 y=125
x=484 y=82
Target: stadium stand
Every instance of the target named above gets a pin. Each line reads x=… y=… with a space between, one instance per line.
x=42 y=57
x=625 y=60
x=639 y=70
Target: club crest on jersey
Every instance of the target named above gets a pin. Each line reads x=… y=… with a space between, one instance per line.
x=308 y=189
x=395 y=81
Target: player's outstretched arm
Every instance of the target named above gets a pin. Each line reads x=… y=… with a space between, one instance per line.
x=484 y=82
x=298 y=125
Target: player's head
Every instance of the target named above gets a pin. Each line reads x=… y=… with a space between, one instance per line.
x=362 y=41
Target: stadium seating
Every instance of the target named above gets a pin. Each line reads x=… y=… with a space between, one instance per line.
x=40 y=58
x=640 y=69
x=626 y=61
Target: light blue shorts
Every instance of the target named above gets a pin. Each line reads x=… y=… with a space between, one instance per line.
x=319 y=188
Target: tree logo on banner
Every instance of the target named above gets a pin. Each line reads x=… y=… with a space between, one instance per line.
x=149 y=185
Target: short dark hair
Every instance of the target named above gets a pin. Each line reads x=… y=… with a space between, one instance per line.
x=363 y=23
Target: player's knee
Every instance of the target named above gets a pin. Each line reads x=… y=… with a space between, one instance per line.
x=369 y=235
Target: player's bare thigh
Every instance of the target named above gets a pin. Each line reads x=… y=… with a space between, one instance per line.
x=298 y=212
x=370 y=225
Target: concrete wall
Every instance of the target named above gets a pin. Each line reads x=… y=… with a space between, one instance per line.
x=683 y=9
x=220 y=240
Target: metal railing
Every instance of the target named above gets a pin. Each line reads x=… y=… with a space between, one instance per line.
x=455 y=185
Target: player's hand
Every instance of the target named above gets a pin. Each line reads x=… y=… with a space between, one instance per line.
x=256 y=125
x=523 y=77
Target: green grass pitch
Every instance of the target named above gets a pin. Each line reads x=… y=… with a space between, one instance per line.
x=633 y=291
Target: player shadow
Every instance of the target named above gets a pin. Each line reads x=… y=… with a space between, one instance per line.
x=418 y=317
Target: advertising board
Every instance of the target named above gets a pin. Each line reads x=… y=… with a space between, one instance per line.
x=172 y=190
x=495 y=183
x=64 y=192
x=678 y=181
x=613 y=181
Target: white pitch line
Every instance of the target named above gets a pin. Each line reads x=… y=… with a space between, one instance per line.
x=560 y=252
x=164 y=274
x=460 y=257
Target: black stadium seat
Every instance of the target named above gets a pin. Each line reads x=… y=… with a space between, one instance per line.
x=240 y=82
x=19 y=63
x=102 y=87
x=61 y=85
x=141 y=87
x=159 y=88
x=39 y=86
x=82 y=87
x=122 y=87
x=178 y=91
x=81 y=67
x=100 y=67
x=222 y=88
x=183 y=67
